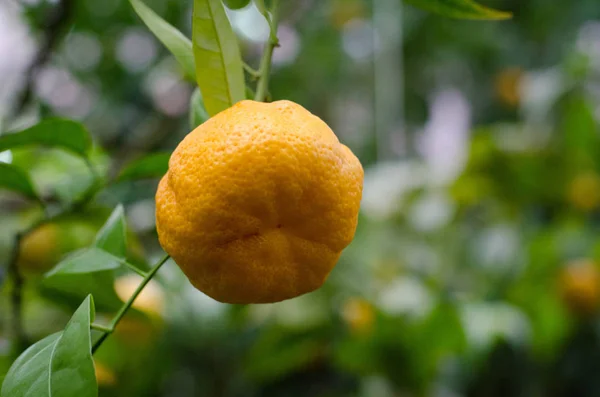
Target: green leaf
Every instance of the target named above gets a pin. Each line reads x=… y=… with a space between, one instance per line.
x=179 y=45
x=59 y=365
x=463 y=9
x=260 y=6
x=92 y=271
x=16 y=180
x=198 y=113
x=152 y=166
x=219 y=70
x=85 y=261
x=67 y=288
x=112 y=237
x=61 y=133
x=279 y=351
x=236 y=4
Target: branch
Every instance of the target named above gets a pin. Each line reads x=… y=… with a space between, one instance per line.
x=16 y=297
x=115 y=321
x=13 y=271
x=53 y=28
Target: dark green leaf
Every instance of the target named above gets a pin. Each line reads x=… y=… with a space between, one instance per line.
x=91 y=271
x=219 y=70
x=60 y=365
x=198 y=113
x=86 y=261
x=279 y=351
x=179 y=45
x=61 y=133
x=151 y=166
x=65 y=288
x=463 y=9
x=236 y=4
x=112 y=237
x=16 y=180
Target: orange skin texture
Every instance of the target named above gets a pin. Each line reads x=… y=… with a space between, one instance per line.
x=259 y=202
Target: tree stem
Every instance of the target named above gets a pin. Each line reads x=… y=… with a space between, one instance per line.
x=16 y=296
x=127 y=305
x=264 y=70
x=14 y=273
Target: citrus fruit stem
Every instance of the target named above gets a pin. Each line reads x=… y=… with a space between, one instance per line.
x=265 y=63
x=115 y=321
x=255 y=74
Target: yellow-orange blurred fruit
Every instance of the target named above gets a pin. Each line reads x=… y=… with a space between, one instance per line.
x=584 y=191
x=580 y=286
x=343 y=11
x=508 y=86
x=104 y=375
x=136 y=331
x=43 y=247
x=259 y=202
x=40 y=249
x=150 y=300
x=358 y=314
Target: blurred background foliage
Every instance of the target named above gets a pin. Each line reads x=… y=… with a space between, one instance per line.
x=475 y=268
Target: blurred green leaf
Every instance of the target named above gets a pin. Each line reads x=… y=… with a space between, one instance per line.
x=59 y=365
x=580 y=132
x=61 y=133
x=112 y=238
x=260 y=6
x=439 y=335
x=179 y=45
x=151 y=166
x=86 y=261
x=198 y=113
x=236 y=4
x=16 y=180
x=67 y=288
x=91 y=271
x=218 y=61
x=278 y=352
x=463 y=9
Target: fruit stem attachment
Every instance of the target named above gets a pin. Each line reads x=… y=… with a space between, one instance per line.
x=126 y=306
x=264 y=70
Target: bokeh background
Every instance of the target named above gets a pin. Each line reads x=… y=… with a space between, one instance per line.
x=474 y=271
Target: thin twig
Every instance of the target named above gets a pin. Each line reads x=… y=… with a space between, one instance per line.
x=52 y=30
x=115 y=321
x=255 y=74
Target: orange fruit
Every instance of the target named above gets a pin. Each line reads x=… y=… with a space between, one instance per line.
x=104 y=375
x=508 y=86
x=259 y=202
x=584 y=191
x=580 y=286
x=359 y=315
x=150 y=300
x=40 y=249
